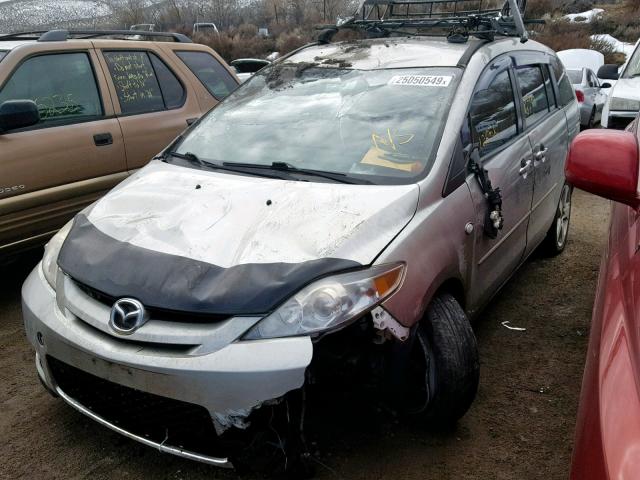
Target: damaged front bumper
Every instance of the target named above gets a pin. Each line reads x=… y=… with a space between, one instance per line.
x=227 y=377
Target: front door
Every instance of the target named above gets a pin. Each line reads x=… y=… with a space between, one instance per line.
x=72 y=156
x=505 y=153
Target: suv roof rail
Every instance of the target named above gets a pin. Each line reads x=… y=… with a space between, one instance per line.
x=460 y=18
x=63 y=35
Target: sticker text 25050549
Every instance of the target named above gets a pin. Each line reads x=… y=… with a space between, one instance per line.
x=421 y=80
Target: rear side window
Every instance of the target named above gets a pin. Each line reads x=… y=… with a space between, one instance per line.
x=534 y=94
x=564 y=85
x=493 y=116
x=217 y=80
x=62 y=85
x=143 y=82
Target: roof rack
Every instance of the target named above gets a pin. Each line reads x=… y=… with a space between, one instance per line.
x=63 y=35
x=459 y=18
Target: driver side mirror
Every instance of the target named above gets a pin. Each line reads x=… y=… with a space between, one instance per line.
x=15 y=114
x=605 y=163
x=608 y=72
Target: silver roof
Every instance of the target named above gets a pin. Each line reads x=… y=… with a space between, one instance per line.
x=392 y=52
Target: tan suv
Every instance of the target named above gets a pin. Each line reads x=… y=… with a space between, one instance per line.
x=81 y=110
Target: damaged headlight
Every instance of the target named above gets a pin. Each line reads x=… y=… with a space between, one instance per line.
x=330 y=302
x=51 y=251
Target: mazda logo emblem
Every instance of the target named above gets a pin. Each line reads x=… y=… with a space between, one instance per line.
x=127 y=315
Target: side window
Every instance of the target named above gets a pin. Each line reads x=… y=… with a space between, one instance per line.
x=534 y=96
x=172 y=90
x=591 y=78
x=62 y=85
x=564 y=85
x=548 y=86
x=217 y=80
x=492 y=116
x=140 y=88
x=3 y=54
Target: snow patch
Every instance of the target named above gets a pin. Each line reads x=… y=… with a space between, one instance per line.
x=584 y=17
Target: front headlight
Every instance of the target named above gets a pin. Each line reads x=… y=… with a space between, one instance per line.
x=51 y=251
x=625 y=104
x=330 y=302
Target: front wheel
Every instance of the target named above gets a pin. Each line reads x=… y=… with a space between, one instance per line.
x=444 y=368
x=556 y=239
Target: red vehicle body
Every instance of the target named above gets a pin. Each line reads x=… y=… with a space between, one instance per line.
x=607 y=443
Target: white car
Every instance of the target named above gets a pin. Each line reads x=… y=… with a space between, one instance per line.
x=623 y=103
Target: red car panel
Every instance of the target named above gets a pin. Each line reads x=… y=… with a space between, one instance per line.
x=607 y=444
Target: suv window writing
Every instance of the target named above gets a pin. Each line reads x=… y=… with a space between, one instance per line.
x=534 y=94
x=62 y=85
x=380 y=124
x=564 y=85
x=217 y=80
x=493 y=118
x=143 y=82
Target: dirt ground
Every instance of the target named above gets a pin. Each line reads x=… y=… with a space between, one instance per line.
x=520 y=427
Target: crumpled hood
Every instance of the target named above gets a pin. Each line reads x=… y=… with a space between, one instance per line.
x=202 y=241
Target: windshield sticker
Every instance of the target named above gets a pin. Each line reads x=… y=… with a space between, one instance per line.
x=421 y=80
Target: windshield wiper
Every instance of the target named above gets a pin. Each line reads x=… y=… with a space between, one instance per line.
x=288 y=168
x=193 y=158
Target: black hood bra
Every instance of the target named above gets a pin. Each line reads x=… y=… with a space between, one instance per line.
x=119 y=269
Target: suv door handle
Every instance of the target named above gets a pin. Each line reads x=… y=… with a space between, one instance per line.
x=525 y=166
x=102 y=139
x=191 y=121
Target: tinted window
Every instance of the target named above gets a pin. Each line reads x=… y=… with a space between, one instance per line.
x=62 y=85
x=548 y=86
x=135 y=81
x=3 y=53
x=172 y=90
x=534 y=95
x=493 y=114
x=564 y=85
x=210 y=72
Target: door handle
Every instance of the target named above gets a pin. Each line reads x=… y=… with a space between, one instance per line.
x=102 y=139
x=525 y=166
x=191 y=121
x=540 y=155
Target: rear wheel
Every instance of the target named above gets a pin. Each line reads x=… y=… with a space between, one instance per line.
x=556 y=239
x=444 y=369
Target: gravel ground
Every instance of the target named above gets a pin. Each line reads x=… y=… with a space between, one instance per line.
x=520 y=427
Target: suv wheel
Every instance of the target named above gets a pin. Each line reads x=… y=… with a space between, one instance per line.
x=444 y=369
x=556 y=239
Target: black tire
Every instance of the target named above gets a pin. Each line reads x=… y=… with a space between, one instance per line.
x=446 y=340
x=555 y=242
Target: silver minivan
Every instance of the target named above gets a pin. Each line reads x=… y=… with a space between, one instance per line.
x=344 y=214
